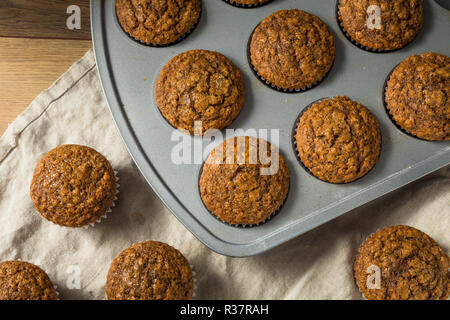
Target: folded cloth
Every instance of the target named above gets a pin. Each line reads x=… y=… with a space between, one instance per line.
x=316 y=265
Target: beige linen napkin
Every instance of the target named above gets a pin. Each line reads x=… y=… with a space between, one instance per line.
x=316 y=265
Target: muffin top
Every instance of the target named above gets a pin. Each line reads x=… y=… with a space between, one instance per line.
x=73 y=185
x=200 y=85
x=244 y=181
x=292 y=49
x=381 y=24
x=412 y=266
x=158 y=22
x=150 y=271
x=25 y=281
x=418 y=96
x=338 y=140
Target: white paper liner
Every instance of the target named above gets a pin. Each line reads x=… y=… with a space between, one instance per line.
x=113 y=204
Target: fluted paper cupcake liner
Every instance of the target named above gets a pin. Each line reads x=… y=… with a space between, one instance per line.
x=113 y=204
x=247 y=6
x=152 y=45
x=297 y=154
x=243 y=226
x=273 y=86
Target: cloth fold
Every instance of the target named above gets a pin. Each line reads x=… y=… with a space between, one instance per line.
x=316 y=265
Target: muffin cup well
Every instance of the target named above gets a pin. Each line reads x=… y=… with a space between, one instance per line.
x=247 y=6
x=297 y=154
x=271 y=85
x=243 y=226
x=356 y=43
x=181 y=38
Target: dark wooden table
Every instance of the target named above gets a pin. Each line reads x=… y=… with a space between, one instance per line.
x=36 y=47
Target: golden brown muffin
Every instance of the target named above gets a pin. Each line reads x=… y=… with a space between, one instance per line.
x=150 y=271
x=248 y=3
x=411 y=265
x=241 y=187
x=418 y=96
x=292 y=50
x=338 y=140
x=381 y=25
x=200 y=85
x=73 y=186
x=25 y=281
x=158 y=22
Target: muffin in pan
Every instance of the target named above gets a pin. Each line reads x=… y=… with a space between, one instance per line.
x=244 y=181
x=248 y=3
x=150 y=270
x=73 y=186
x=200 y=86
x=25 y=281
x=417 y=96
x=402 y=263
x=291 y=50
x=338 y=140
x=381 y=25
x=158 y=22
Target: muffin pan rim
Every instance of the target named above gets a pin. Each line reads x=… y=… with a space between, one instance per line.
x=275 y=232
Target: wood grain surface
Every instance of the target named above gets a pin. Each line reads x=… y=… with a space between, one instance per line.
x=42 y=19
x=33 y=55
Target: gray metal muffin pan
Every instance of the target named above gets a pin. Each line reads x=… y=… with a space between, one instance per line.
x=128 y=72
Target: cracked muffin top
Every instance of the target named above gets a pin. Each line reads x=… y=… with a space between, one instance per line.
x=150 y=271
x=200 y=85
x=338 y=140
x=408 y=263
x=292 y=49
x=381 y=24
x=73 y=185
x=244 y=181
x=418 y=96
x=158 y=22
x=25 y=281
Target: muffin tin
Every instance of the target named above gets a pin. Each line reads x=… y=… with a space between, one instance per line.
x=128 y=72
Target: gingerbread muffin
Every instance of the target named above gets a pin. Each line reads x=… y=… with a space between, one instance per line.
x=381 y=25
x=402 y=263
x=200 y=86
x=150 y=271
x=73 y=186
x=25 y=281
x=244 y=181
x=418 y=96
x=291 y=50
x=248 y=3
x=338 y=140
x=158 y=22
